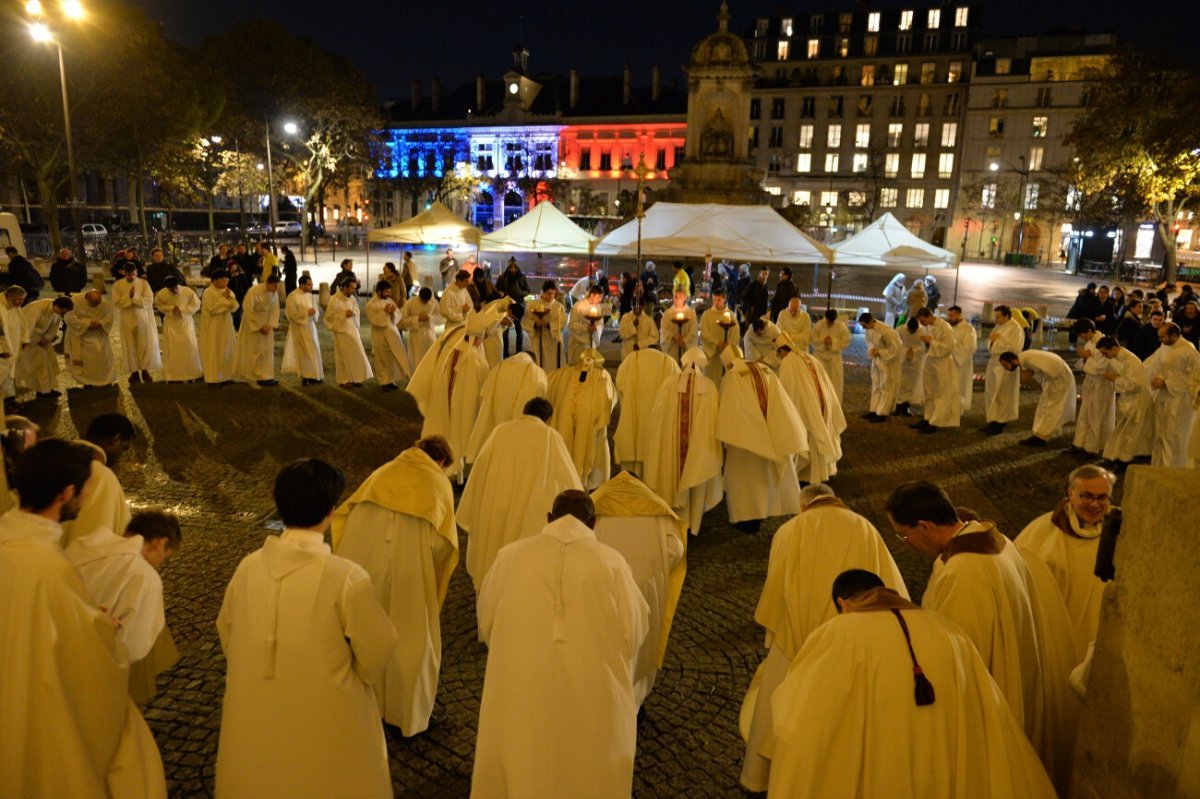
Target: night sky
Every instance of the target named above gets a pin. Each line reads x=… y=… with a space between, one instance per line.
x=394 y=42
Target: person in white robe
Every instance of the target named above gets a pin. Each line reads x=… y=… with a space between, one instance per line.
x=67 y=725
x=399 y=526
x=796 y=322
x=764 y=441
x=87 y=348
x=1097 y=416
x=1002 y=388
x=895 y=300
x=217 y=336
x=1009 y=605
x=506 y=390
x=16 y=336
x=808 y=386
x=180 y=349
x=1067 y=539
x=849 y=720
x=759 y=343
x=419 y=318
x=343 y=317
x=965 y=342
x=449 y=391
x=683 y=456
x=456 y=301
x=939 y=380
x=37 y=367
x=1174 y=374
x=830 y=336
x=1131 y=438
x=134 y=298
x=1056 y=405
x=678 y=327
x=121 y=574
x=884 y=348
x=718 y=329
x=387 y=348
x=563 y=620
x=640 y=525
x=500 y=503
x=912 y=368
x=638 y=379
x=302 y=347
x=255 y=355
x=544 y=321
x=637 y=331
x=104 y=504
x=585 y=325
x=305 y=641
x=584 y=397
x=499 y=321
x=807 y=553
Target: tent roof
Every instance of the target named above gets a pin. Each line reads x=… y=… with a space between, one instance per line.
x=886 y=242
x=754 y=233
x=544 y=229
x=435 y=225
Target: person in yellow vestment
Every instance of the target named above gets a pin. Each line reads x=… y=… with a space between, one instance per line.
x=583 y=398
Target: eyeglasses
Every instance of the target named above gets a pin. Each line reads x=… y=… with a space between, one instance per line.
x=1101 y=498
x=902 y=537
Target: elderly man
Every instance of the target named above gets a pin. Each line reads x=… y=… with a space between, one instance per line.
x=181 y=353
x=302 y=347
x=1056 y=406
x=134 y=298
x=965 y=342
x=1131 y=438
x=883 y=348
x=795 y=321
x=255 y=356
x=943 y=394
x=830 y=336
x=1002 y=388
x=585 y=324
x=825 y=539
x=343 y=317
x=1066 y=540
x=544 y=321
x=217 y=306
x=37 y=367
x=87 y=348
x=1174 y=372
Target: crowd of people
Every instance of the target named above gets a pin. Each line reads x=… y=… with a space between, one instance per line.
x=577 y=571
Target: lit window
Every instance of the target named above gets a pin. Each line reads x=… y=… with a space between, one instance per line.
x=1031 y=197
x=949 y=134
x=844 y=46
x=960 y=17
x=918 y=165
x=829 y=199
x=862 y=135
x=891 y=165
x=860 y=162
x=804 y=162
x=1041 y=125
x=856 y=199
x=774 y=191
x=831 y=162
x=870 y=45
x=781 y=52
x=954 y=75
x=806 y=137
x=873 y=22
x=900 y=75
x=802 y=198
x=785 y=26
x=906 y=20
x=921 y=134
x=946 y=165
x=941 y=198
x=895 y=132
x=935 y=19
x=914 y=198
x=1035 y=158
x=868 y=75
x=1003 y=66
x=996 y=127
x=814 y=48
x=988 y=198
x=928 y=72
x=833 y=137
x=888 y=198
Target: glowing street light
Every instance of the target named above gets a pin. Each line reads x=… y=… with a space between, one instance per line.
x=40 y=32
x=291 y=128
x=34 y=8
x=72 y=9
x=995 y=167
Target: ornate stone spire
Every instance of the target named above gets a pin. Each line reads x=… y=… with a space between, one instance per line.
x=723 y=18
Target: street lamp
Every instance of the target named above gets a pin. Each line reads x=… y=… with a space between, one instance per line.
x=290 y=128
x=1019 y=215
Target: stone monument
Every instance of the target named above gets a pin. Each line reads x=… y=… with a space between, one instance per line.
x=717 y=167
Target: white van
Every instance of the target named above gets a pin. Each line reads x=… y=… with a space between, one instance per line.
x=10 y=236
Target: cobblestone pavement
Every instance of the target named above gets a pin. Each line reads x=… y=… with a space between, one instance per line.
x=210 y=455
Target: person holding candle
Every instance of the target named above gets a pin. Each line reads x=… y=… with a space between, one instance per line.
x=718 y=329
x=585 y=325
x=679 y=326
x=544 y=321
x=638 y=331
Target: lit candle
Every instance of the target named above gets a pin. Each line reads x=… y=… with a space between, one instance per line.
x=679 y=316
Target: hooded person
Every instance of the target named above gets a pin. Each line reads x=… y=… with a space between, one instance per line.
x=508 y=387
x=806 y=383
x=638 y=379
x=894 y=299
x=583 y=397
x=683 y=456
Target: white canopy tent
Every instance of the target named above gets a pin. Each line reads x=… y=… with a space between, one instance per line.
x=435 y=225
x=544 y=229
x=752 y=233
x=886 y=242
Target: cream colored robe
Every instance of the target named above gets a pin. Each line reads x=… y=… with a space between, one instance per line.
x=829 y=353
x=305 y=639
x=87 y=351
x=582 y=411
x=1135 y=410
x=1175 y=403
x=678 y=322
x=1002 y=389
x=450 y=306
x=104 y=505
x=349 y=357
x=302 y=347
x=760 y=348
x=638 y=379
x=912 y=367
x=714 y=336
x=1097 y=415
x=449 y=391
x=387 y=349
x=1056 y=406
x=255 y=357
x=799 y=327
x=37 y=367
x=181 y=351
x=965 y=342
x=139 y=331
x=16 y=336
x=940 y=379
x=811 y=392
x=563 y=620
x=217 y=334
x=885 y=368
x=506 y=390
x=583 y=333
x=420 y=333
x=637 y=330
x=545 y=344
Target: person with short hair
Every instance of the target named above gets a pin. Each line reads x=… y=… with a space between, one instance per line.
x=159 y=270
x=67 y=725
x=755 y=302
x=419 y=317
x=585 y=324
x=544 y=321
x=1174 y=374
x=87 y=346
x=1131 y=437
x=830 y=338
x=759 y=342
x=883 y=348
x=37 y=367
x=302 y=347
x=1097 y=414
x=305 y=642
x=109 y=435
x=217 y=262
x=387 y=348
x=637 y=330
x=178 y=305
x=67 y=275
x=290 y=270
x=796 y=322
x=268 y=262
x=456 y=301
x=1002 y=389
x=966 y=340
x=343 y=318
x=1056 y=406
x=943 y=394
x=912 y=367
x=678 y=327
x=1145 y=341
x=554 y=604
x=409 y=273
x=785 y=292
x=345 y=273
x=217 y=336
x=448 y=268
x=22 y=273
x=254 y=358
x=134 y=298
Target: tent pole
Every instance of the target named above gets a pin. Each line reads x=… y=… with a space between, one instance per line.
x=957 y=264
x=829 y=289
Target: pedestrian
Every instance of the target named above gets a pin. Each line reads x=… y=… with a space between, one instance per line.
x=448 y=267
x=649 y=278
x=785 y=292
x=219 y=261
x=409 y=274
x=159 y=270
x=37 y=366
x=22 y=273
x=1146 y=341
x=67 y=275
x=966 y=341
x=247 y=262
x=933 y=293
x=894 y=295
x=289 y=270
x=87 y=347
x=544 y=321
x=512 y=284
x=912 y=368
x=268 y=262
x=755 y=302
x=1129 y=323
x=679 y=327
x=239 y=282
x=345 y=272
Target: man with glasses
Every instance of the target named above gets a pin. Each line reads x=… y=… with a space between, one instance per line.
x=1066 y=540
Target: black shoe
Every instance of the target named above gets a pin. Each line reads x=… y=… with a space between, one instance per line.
x=869 y=416
x=1033 y=441
x=390 y=387
x=928 y=430
x=752 y=526
x=878 y=419
x=921 y=425
x=146 y=378
x=994 y=429
x=266 y=383
x=902 y=410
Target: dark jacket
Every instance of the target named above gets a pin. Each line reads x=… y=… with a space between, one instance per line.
x=649 y=286
x=342 y=277
x=214 y=263
x=1086 y=306
x=754 y=300
x=118 y=268
x=1188 y=328
x=289 y=263
x=513 y=285
x=784 y=292
x=1127 y=329
x=157 y=274
x=1108 y=310
x=22 y=273
x=68 y=277
x=1145 y=341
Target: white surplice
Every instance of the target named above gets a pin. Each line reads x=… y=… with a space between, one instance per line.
x=104 y=505
x=455 y=304
x=965 y=342
x=255 y=356
x=15 y=337
x=885 y=368
x=545 y=343
x=448 y=390
x=798 y=326
x=638 y=379
x=506 y=390
x=139 y=331
x=811 y=391
x=1056 y=406
x=583 y=397
x=180 y=349
x=302 y=347
x=940 y=379
x=37 y=367
x=217 y=334
x=387 y=348
x=87 y=349
x=343 y=317
x=637 y=332
x=1097 y=415
x=678 y=323
x=912 y=367
x=583 y=332
x=760 y=347
x=718 y=329
x=1002 y=389
x=829 y=353
x=420 y=332
x=1134 y=431
x=1178 y=365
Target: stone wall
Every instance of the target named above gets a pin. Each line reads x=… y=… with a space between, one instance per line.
x=1139 y=734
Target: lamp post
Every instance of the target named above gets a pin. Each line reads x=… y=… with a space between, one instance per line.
x=1021 y=204
x=290 y=128
x=40 y=31
x=641 y=173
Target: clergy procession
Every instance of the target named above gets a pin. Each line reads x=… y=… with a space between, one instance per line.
x=570 y=454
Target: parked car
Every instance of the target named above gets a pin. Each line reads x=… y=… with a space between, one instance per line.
x=90 y=230
x=289 y=228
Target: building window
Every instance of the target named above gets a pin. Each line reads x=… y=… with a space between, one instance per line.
x=906 y=20
x=606 y=161
x=865 y=105
x=952 y=101
x=930 y=42
x=954 y=74
x=928 y=72
x=992 y=154
x=831 y=163
x=785 y=26
x=934 y=19
x=1041 y=126
x=802 y=198
x=833 y=137
x=760 y=50
x=1043 y=97
x=918 y=165
x=988 y=198
x=829 y=199
x=1003 y=66
x=868 y=75
x=958 y=40
x=844 y=46
x=760 y=26
x=752 y=134
x=777 y=107
x=914 y=198
x=898 y=105
x=960 y=16
x=870 y=45
x=815 y=23
x=996 y=127
x=804 y=162
x=921 y=134
x=891 y=165
x=862 y=135
x=835 y=106
x=845 y=21
x=999 y=98
x=1031 y=197
x=946 y=166
x=660 y=159
x=814 y=48
x=585 y=160
x=781 y=50
x=895 y=132
x=903 y=43
x=806 y=137
x=1035 y=157
x=776 y=136
x=924 y=105
x=773 y=164
x=873 y=22
x=900 y=75
x=949 y=134
x=941 y=198
x=860 y=162
x=888 y=198
x=808 y=107
x=755 y=108
x=774 y=191
x=856 y=199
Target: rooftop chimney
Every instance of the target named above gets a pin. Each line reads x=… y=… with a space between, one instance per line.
x=655 y=83
x=416 y=93
x=627 y=92
x=574 y=87
x=435 y=93
x=480 y=92
x=520 y=58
